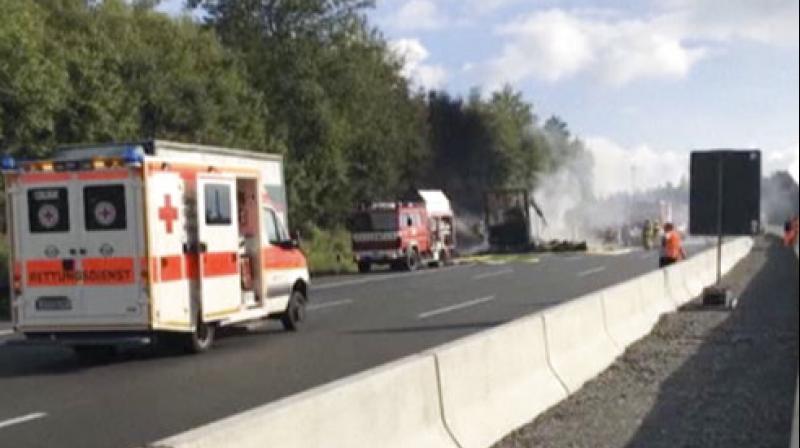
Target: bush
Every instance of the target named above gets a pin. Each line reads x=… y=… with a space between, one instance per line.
x=328 y=251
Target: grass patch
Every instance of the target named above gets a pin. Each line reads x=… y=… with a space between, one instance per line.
x=328 y=251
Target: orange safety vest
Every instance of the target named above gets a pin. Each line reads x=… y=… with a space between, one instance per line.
x=671 y=246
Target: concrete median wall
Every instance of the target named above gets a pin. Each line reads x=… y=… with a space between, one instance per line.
x=655 y=296
x=493 y=382
x=392 y=406
x=627 y=316
x=577 y=342
x=471 y=392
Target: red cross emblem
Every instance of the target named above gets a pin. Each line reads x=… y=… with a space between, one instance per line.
x=168 y=213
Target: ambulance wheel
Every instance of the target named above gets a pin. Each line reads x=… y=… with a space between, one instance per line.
x=201 y=339
x=295 y=312
x=364 y=267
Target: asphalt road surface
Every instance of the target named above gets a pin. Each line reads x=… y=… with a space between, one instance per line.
x=48 y=398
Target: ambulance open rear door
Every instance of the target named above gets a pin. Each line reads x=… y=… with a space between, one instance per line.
x=172 y=265
x=218 y=246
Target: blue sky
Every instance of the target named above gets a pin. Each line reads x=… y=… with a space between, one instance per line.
x=641 y=82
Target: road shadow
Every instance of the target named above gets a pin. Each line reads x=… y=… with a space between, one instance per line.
x=18 y=360
x=738 y=388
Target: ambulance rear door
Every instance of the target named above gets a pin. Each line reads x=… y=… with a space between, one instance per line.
x=112 y=251
x=218 y=245
x=78 y=240
x=173 y=266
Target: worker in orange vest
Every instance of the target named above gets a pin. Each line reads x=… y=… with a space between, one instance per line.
x=671 y=246
x=790 y=229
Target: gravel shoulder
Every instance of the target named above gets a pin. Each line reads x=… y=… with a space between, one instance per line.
x=702 y=378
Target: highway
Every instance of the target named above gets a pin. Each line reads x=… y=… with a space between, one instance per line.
x=47 y=398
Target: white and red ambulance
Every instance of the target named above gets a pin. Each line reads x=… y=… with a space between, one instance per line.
x=130 y=243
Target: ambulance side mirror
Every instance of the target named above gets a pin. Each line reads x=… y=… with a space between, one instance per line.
x=295 y=236
x=293 y=242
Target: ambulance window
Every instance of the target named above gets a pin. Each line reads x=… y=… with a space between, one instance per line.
x=48 y=210
x=104 y=207
x=218 y=204
x=270 y=228
x=283 y=235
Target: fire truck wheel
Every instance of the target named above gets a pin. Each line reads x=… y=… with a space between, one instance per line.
x=364 y=267
x=412 y=261
x=444 y=258
x=295 y=312
x=201 y=339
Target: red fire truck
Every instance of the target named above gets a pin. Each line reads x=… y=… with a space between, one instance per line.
x=404 y=234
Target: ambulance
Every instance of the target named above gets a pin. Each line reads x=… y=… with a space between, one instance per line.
x=154 y=241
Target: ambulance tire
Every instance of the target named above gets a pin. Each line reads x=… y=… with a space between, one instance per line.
x=295 y=313
x=364 y=267
x=201 y=339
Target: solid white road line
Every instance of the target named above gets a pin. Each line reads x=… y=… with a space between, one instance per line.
x=455 y=307
x=493 y=274
x=22 y=419
x=592 y=271
x=6 y=332
x=378 y=278
x=328 y=304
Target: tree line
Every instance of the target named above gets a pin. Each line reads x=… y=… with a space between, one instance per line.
x=313 y=80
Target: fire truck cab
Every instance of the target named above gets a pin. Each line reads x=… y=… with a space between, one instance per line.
x=132 y=243
x=404 y=234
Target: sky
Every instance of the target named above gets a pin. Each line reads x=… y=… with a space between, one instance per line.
x=642 y=83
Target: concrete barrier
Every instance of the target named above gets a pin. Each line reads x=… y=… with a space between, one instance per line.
x=655 y=297
x=496 y=381
x=627 y=317
x=470 y=393
x=578 y=345
x=676 y=284
x=396 y=405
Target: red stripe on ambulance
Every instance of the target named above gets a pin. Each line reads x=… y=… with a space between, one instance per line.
x=107 y=271
x=171 y=268
x=89 y=272
x=276 y=258
x=41 y=178
x=220 y=264
x=103 y=175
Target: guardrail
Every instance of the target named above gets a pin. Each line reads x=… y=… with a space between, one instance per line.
x=471 y=392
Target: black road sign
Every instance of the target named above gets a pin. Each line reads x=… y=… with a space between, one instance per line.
x=725 y=192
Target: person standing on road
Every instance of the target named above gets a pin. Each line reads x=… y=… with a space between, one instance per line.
x=788 y=230
x=671 y=246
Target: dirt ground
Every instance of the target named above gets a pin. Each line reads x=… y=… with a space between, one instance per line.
x=702 y=378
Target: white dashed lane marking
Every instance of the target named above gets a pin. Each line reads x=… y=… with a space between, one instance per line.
x=455 y=307
x=592 y=271
x=22 y=419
